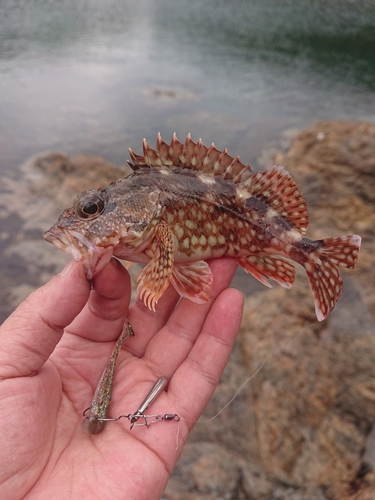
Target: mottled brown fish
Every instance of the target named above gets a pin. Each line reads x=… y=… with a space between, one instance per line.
x=185 y=203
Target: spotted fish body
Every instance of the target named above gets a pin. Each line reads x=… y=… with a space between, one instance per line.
x=185 y=203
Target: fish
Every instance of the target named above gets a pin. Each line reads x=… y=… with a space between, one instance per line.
x=185 y=203
x=96 y=415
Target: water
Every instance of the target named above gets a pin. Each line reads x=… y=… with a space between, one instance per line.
x=96 y=77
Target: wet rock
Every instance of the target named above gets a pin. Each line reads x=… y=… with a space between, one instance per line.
x=333 y=164
x=301 y=425
x=29 y=206
x=314 y=398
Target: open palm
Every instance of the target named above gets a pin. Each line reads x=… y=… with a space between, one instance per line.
x=53 y=349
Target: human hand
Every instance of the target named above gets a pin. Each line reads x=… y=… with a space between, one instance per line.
x=53 y=349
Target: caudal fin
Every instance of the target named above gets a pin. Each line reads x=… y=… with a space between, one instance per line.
x=322 y=270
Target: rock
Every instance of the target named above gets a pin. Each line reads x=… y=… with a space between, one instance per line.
x=314 y=398
x=205 y=469
x=30 y=205
x=333 y=164
x=303 y=421
x=301 y=425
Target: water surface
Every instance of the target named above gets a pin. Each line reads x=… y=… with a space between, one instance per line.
x=96 y=77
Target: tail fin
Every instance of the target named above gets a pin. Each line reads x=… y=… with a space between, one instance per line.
x=322 y=270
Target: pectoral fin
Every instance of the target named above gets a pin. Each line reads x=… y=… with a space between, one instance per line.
x=193 y=281
x=156 y=276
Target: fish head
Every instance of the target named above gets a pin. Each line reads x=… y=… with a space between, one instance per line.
x=104 y=222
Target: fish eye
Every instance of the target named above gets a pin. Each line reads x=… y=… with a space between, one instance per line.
x=89 y=205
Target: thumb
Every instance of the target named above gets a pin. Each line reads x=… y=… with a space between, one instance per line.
x=30 y=334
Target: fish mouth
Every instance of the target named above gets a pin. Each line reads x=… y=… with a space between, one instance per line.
x=80 y=248
x=77 y=245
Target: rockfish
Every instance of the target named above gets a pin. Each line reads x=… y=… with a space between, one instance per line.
x=185 y=203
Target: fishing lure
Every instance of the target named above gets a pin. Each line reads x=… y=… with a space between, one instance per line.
x=94 y=421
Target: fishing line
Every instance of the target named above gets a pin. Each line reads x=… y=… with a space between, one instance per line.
x=270 y=355
x=210 y=419
x=139 y=418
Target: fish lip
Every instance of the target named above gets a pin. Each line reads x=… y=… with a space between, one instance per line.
x=72 y=242
x=80 y=248
x=57 y=236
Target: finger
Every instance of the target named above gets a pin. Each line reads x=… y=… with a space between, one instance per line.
x=146 y=322
x=31 y=333
x=171 y=346
x=104 y=314
x=196 y=379
x=194 y=382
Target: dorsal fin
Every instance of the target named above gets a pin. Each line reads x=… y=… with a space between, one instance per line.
x=191 y=155
x=277 y=189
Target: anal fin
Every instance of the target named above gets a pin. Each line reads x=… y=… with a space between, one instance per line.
x=263 y=267
x=193 y=281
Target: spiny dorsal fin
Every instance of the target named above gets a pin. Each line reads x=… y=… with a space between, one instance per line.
x=277 y=189
x=194 y=156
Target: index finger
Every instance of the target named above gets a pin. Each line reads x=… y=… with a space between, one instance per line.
x=104 y=314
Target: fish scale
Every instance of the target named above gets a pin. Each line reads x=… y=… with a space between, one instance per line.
x=185 y=203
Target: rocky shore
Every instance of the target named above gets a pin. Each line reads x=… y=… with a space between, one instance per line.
x=303 y=426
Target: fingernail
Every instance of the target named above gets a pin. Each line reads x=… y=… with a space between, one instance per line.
x=66 y=269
